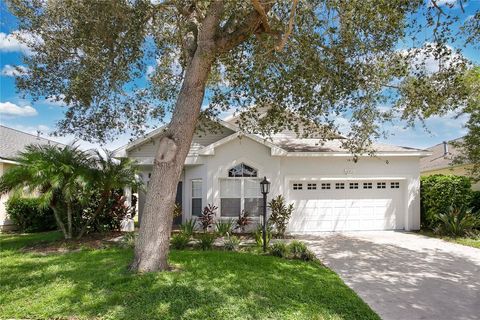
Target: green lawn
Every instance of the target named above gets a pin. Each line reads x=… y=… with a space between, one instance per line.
x=207 y=285
x=465 y=241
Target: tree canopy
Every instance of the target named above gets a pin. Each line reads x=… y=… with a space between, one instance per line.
x=320 y=58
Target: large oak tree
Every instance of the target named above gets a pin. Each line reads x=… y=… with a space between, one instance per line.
x=317 y=59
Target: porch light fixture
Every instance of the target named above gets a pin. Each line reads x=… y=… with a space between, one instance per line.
x=265 y=188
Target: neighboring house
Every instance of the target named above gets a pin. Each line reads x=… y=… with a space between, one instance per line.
x=440 y=161
x=12 y=142
x=329 y=190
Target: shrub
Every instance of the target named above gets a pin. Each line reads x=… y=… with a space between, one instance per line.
x=29 y=215
x=299 y=250
x=475 y=203
x=224 y=227
x=180 y=241
x=296 y=248
x=243 y=220
x=231 y=243
x=206 y=218
x=259 y=236
x=206 y=240
x=456 y=222
x=188 y=227
x=280 y=214
x=279 y=249
x=129 y=239
x=440 y=192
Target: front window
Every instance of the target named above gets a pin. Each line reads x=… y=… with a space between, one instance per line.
x=241 y=191
x=197 y=197
x=242 y=171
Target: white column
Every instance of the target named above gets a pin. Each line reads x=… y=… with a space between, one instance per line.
x=127 y=192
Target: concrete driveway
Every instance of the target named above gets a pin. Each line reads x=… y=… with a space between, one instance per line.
x=403 y=275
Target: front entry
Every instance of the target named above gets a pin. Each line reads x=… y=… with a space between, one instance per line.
x=178 y=200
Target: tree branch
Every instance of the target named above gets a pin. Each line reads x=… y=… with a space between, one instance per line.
x=291 y=21
x=263 y=15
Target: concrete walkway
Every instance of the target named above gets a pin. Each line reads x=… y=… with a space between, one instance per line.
x=403 y=275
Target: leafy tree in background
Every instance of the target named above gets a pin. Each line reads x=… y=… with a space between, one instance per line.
x=317 y=59
x=470 y=144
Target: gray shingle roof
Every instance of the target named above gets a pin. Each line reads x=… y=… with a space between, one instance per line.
x=335 y=145
x=438 y=159
x=13 y=141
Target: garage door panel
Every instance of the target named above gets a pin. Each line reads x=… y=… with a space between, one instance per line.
x=346 y=209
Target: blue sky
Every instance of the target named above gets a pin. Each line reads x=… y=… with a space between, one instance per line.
x=23 y=114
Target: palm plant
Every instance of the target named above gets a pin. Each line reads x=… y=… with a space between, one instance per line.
x=60 y=175
x=109 y=174
x=456 y=222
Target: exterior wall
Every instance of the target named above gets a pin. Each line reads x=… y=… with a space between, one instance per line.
x=280 y=170
x=5 y=223
x=457 y=170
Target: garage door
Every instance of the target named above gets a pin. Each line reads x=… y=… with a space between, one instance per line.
x=346 y=205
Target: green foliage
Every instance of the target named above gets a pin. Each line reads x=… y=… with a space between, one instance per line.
x=191 y=291
x=80 y=189
x=206 y=218
x=280 y=214
x=439 y=193
x=188 y=227
x=279 y=249
x=475 y=203
x=231 y=243
x=224 y=227
x=129 y=239
x=456 y=222
x=99 y=61
x=30 y=215
x=469 y=145
x=243 y=221
x=206 y=240
x=258 y=234
x=180 y=240
x=299 y=250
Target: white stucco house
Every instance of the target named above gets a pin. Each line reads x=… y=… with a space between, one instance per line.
x=329 y=190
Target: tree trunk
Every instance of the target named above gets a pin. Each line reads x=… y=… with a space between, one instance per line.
x=151 y=248
x=101 y=205
x=69 y=220
x=60 y=223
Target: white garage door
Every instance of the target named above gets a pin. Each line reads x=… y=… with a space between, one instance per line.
x=346 y=205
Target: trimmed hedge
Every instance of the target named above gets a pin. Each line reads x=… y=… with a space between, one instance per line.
x=441 y=192
x=29 y=216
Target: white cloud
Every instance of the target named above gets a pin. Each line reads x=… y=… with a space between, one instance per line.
x=11 y=109
x=12 y=71
x=11 y=43
x=55 y=100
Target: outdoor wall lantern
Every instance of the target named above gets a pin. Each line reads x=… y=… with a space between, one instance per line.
x=265 y=187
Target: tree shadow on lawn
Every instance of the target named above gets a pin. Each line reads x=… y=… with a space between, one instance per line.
x=213 y=285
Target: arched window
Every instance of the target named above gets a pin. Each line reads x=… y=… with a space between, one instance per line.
x=242 y=171
x=240 y=191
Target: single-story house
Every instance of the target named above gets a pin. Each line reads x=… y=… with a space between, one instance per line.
x=12 y=142
x=329 y=190
x=440 y=161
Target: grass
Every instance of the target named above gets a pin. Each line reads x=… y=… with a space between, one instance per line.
x=207 y=285
x=460 y=240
